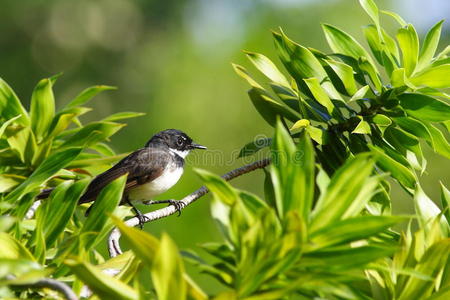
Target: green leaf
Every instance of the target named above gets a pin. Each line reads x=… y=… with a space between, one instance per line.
x=408 y=145
x=343 y=189
x=383 y=54
x=426 y=209
x=10 y=105
x=382 y=122
x=344 y=258
x=104 y=205
x=254 y=146
x=167 y=271
x=395 y=16
x=445 y=200
x=42 y=108
x=353 y=229
x=301 y=64
x=403 y=175
x=11 y=248
x=269 y=108
x=92 y=134
x=123 y=115
x=48 y=168
x=241 y=71
x=371 y=9
x=63 y=119
x=426 y=131
x=399 y=79
x=429 y=46
x=431 y=264
x=345 y=73
x=362 y=128
x=319 y=93
x=268 y=68
x=219 y=187
x=59 y=209
x=143 y=244
x=6 y=124
x=439 y=142
x=409 y=44
x=360 y=94
x=436 y=77
x=104 y=286
x=371 y=71
x=343 y=43
x=292 y=169
x=88 y=94
x=424 y=107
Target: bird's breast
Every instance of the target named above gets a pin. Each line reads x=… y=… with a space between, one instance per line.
x=159 y=185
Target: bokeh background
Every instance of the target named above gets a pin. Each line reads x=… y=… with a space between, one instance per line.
x=172 y=60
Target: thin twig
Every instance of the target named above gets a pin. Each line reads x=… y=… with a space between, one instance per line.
x=113 y=240
x=51 y=284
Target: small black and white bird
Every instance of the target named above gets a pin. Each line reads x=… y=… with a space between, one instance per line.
x=152 y=170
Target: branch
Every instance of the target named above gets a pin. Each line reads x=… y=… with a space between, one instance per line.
x=51 y=284
x=113 y=241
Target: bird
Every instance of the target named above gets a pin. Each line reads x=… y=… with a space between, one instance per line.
x=151 y=170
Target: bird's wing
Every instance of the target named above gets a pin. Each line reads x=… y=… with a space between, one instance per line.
x=142 y=166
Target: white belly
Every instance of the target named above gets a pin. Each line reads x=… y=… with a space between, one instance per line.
x=158 y=186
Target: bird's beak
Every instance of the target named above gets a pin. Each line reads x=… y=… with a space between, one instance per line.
x=197 y=146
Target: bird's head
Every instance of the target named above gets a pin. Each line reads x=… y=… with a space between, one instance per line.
x=176 y=140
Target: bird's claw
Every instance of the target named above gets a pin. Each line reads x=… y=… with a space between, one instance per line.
x=179 y=205
x=142 y=219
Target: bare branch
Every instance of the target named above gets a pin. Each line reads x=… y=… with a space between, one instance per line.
x=51 y=284
x=113 y=240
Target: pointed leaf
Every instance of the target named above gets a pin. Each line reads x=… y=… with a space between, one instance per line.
x=436 y=77
x=167 y=271
x=409 y=44
x=42 y=108
x=104 y=286
x=425 y=107
x=88 y=94
x=430 y=45
x=268 y=68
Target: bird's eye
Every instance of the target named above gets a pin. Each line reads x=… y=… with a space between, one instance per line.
x=180 y=141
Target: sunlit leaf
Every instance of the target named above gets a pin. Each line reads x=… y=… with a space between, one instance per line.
x=104 y=205
x=343 y=188
x=268 y=68
x=219 y=187
x=10 y=248
x=430 y=45
x=319 y=93
x=104 y=286
x=435 y=77
x=167 y=271
x=409 y=44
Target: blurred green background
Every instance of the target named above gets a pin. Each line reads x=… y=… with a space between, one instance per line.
x=172 y=60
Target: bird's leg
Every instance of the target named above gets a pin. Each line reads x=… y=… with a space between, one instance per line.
x=138 y=213
x=178 y=204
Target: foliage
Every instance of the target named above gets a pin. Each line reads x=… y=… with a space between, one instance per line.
x=346 y=126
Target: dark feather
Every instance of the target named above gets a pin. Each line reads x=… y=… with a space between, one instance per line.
x=142 y=166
